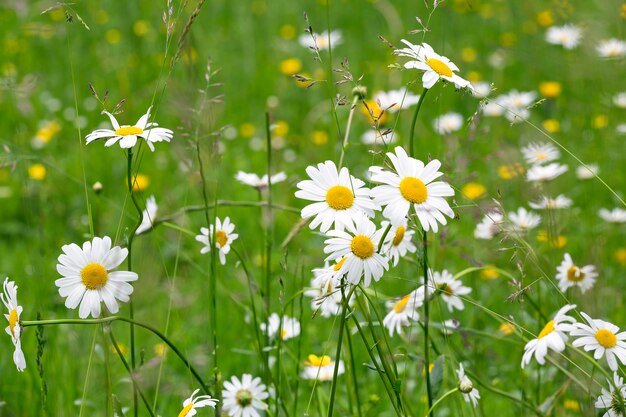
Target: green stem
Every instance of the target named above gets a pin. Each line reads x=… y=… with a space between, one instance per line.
x=414 y=121
x=107 y=374
x=426 y=320
x=355 y=100
x=268 y=228
x=440 y=399
x=355 y=380
x=342 y=325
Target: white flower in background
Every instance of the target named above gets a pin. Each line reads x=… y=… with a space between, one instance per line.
x=224 y=237
x=613 y=399
x=321 y=368
x=587 y=172
x=338 y=197
x=523 y=220
x=470 y=394
x=149 y=215
x=516 y=104
x=481 y=89
x=547 y=203
x=398 y=241
x=617 y=215
x=289 y=328
x=539 y=153
x=245 y=397
x=611 y=48
x=191 y=404
x=492 y=109
x=402 y=311
x=253 y=180
x=545 y=172
x=552 y=336
x=621 y=128
x=435 y=66
x=412 y=186
x=395 y=100
x=570 y=275
x=449 y=326
x=89 y=279
x=378 y=137
x=328 y=277
x=322 y=40
x=602 y=338
x=327 y=300
x=448 y=123
x=14 y=329
x=451 y=289
x=489 y=226
x=127 y=135
x=619 y=100
x=568 y=36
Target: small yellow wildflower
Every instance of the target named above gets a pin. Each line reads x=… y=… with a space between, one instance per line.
x=37 y=172
x=557 y=242
x=473 y=190
x=319 y=137
x=545 y=18
x=160 y=349
x=600 y=121
x=620 y=256
x=469 y=54
x=507 y=328
x=474 y=76
x=113 y=36
x=290 y=66
x=374 y=113
x=141 y=28
x=140 y=182
x=247 y=130
x=571 y=405
x=287 y=32
x=489 y=273
x=281 y=128
x=506 y=172
x=551 y=125
x=189 y=56
x=550 y=89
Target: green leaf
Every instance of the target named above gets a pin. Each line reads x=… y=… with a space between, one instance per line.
x=436 y=376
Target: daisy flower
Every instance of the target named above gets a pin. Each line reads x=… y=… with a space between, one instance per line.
x=377 y=137
x=492 y=108
x=322 y=40
x=570 y=275
x=395 y=100
x=253 y=180
x=149 y=215
x=321 y=368
x=435 y=66
x=327 y=300
x=587 y=172
x=358 y=244
x=289 y=328
x=538 y=153
x=611 y=48
x=338 y=196
x=547 y=203
x=89 y=279
x=191 y=404
x=617 y=215
x=470 y=394
x=224 y=237
x=448 y=123
x=403 y=310
x=524 y=220
x=398 y=241
x=489 y=226
x=601 y=337
x=127 y=135
x=515 y=105
x=552 y=336
x=244 y=397
x=613 y=399
x=568 y=36
x=619 y=100
x=545 y=172
x=450 y=289
x=412 y=185
x=9 y=299
x=481 y=89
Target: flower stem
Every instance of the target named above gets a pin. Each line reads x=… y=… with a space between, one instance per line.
x=344 y=145
x=342 y=324
x=426 y=320
x=414 y=121
x=440 y=399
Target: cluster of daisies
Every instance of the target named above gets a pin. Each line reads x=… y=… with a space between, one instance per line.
x=569 y=36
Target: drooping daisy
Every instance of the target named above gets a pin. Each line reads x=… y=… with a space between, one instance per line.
x=570 y=275
x=149 y=215
x=321 y=368
x=450 y=289
x=378 y=137
x=358 y=245
x=617 y=215
x=613 y=399
x=289 y=328
x=545 y=172
x=322 y=40
x=552 y=336
x=395 y=100
x=253 y=180
x=412 y=185
x=89 y=279
x=398 y=241
x=14 y=329
x=338 y=196
x=224 y=237
x=611 y=48
x=524 y=220
x=547 y=203
x=127 y=135
x=448 y=123
x=489 y=226
x=191 y=404
x=601 y=337
x=403 y=311
x=568 y=36
x=587 y=172
x=435 y=66
x=470 y=394
x=539 y=153
x=243 y=398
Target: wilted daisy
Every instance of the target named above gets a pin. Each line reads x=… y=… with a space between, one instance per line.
x=450 y=289
x=412 y=185
x=322 y=40
x=448 y=123
x=489 y=226
x=524 y=220
x=552 y=336
x=378 y=137
x=191 y=404
x=338 y=197
x=570 y=275
x=538 y=153
x=568 y=36
x=602 y=338
x=14 y=329
x=395 y=100
x=127 y=135
x=617 y=215
x=243 y=398
x=470 y=394
x=253 y=180
x=613 y=399
x=358 y=245
x=289 y=328
x=224 y=237
x=611 y=48
x=398 y=241
x=321 y=368
x=545 y=172
x=403 y=310
x=149 y=215
x=435 y=66
x=547 y=203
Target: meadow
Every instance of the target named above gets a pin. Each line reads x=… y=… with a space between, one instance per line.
x=441 y=233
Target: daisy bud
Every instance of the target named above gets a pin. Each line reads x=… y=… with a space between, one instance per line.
x=360 y=91
x=466 y=386
x=97 y=187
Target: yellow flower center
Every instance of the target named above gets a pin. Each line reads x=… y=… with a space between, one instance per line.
x=314 y=360
x=283 y=333
x=244 y=398
x=94 y=276
x=445 y=288
x=541 y=156
x=548 y=328
x=397 y=239
x=439 y=67
x=606 y=338
x=339 y=264
x=401 y=305
x=186 y=410
x=13 y=321
x=413 y=190
x=574 y=274
x=339 y=197
x=129 y=130
x=362 y=246
x=221 y=237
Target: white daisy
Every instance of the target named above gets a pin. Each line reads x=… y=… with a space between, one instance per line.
x=547 y=203
x=448 y=123
x=619 y=100
x=538 y=153
x=524 y=220
x=243 y=398
x=127 y=135
x=601 y=337
x=568 y=36
x=570 y=275
x=492 y=109
x=88 y=278
x=378 y=137
x=403 y=311
x=338 y=196
x=613 y=399
x=14 y=329
x=322 y=40
x=395 y=100
x=327 y=300
x=515 y=105
x=253 y=180
x=617 y=215
x=435 y=66
x=450 y=289
x=481 y=89
x=329 y=277
x=552 y=336
x=470 y=394
x=149 y=215
x=587 y=172
x=191 y=404
x=489 y=226
x=358 y=244
x=224 y=237
x=289 y=328
x=321 y=368
x=545 y=172
x=412 y=185
x=611 y=48
x=398 y=241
